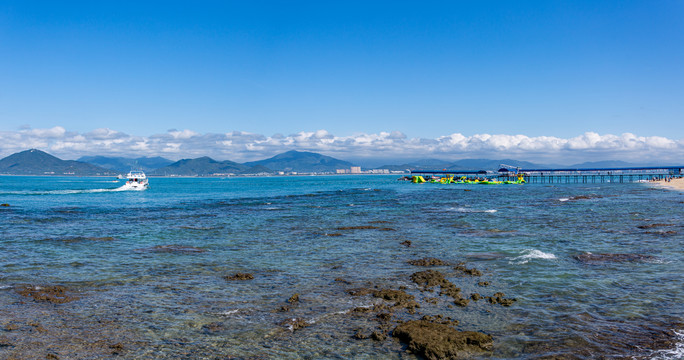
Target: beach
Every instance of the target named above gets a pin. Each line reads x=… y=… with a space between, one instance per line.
x=674 y=184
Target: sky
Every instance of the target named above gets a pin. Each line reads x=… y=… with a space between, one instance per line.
x=545 y=81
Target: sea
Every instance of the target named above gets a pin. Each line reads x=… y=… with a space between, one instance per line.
x=283 y=267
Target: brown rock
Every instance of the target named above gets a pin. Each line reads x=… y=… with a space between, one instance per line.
x=239 y=277
x=427 y=262
x=56 y=294
x=295 y=324
x=440 y=341
x=378 y=336
x=293 y=299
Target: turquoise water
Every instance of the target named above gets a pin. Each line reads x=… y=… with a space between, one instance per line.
x=148 y=268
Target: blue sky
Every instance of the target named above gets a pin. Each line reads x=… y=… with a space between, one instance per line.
x=420 y=71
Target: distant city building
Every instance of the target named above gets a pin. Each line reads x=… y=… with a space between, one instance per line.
x=355 y=169
x=342 y=171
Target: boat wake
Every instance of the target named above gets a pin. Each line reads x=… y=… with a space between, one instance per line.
x=70 y=192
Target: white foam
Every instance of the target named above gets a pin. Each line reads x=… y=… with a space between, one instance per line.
x=467 y=210
x=530 y=254
x=563 y=199
x=228 y=313
x=675 y=353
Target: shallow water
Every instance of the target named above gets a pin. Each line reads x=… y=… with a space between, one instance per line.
x=148 y=268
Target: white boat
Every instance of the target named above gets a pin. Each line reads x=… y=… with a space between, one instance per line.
x=136 y=180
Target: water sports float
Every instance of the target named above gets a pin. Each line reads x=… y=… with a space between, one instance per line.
x=419 y=179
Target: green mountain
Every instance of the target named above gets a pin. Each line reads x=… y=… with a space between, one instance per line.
x=36 y=162
x=302 y=161
x=124 y=165
x=203 y=166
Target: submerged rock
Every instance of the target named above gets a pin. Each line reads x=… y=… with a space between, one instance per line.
x=431 y=278
x=472 y=272
x=650 y=226
x=295 y=324
x=213 y=327
x=440 y=341
x=173 y=249
x=498 y=298
x=427 y=262
x=589 y=258
x=362 y=227
x=55 y=294
x=406 y=243
x=239 y=277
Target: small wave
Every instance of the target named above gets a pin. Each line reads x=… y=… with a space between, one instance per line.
x=563 y=199
x=466 y=210
x=530 y=254
x=228 y=313
x=5 y=287
x=675 y=353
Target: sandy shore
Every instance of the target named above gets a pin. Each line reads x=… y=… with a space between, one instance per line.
x=675 y=184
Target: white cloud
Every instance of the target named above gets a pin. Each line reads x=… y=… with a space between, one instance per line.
x=244 y=146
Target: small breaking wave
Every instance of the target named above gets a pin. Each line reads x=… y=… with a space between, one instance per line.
x=530 y=254
x=675 y=353
x=467 y=210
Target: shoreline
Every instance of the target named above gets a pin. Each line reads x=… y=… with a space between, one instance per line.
x=674 y=184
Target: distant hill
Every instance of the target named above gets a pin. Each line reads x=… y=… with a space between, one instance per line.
x=463 y=165
x=124 y=165
x=36 y=162
x=603 y=164
x=203 y=166
x=486 y=164
x=302 y=161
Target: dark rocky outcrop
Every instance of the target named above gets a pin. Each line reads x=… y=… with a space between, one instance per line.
x=434 y=340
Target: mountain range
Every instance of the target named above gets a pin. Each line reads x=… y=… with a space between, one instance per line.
x=123 y=165
x=36 y=162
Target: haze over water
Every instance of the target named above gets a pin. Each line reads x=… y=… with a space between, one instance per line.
x=146 y=271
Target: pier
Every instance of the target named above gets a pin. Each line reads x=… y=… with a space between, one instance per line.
x=570 y=176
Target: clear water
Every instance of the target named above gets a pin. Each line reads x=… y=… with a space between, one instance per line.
x=104 y=246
